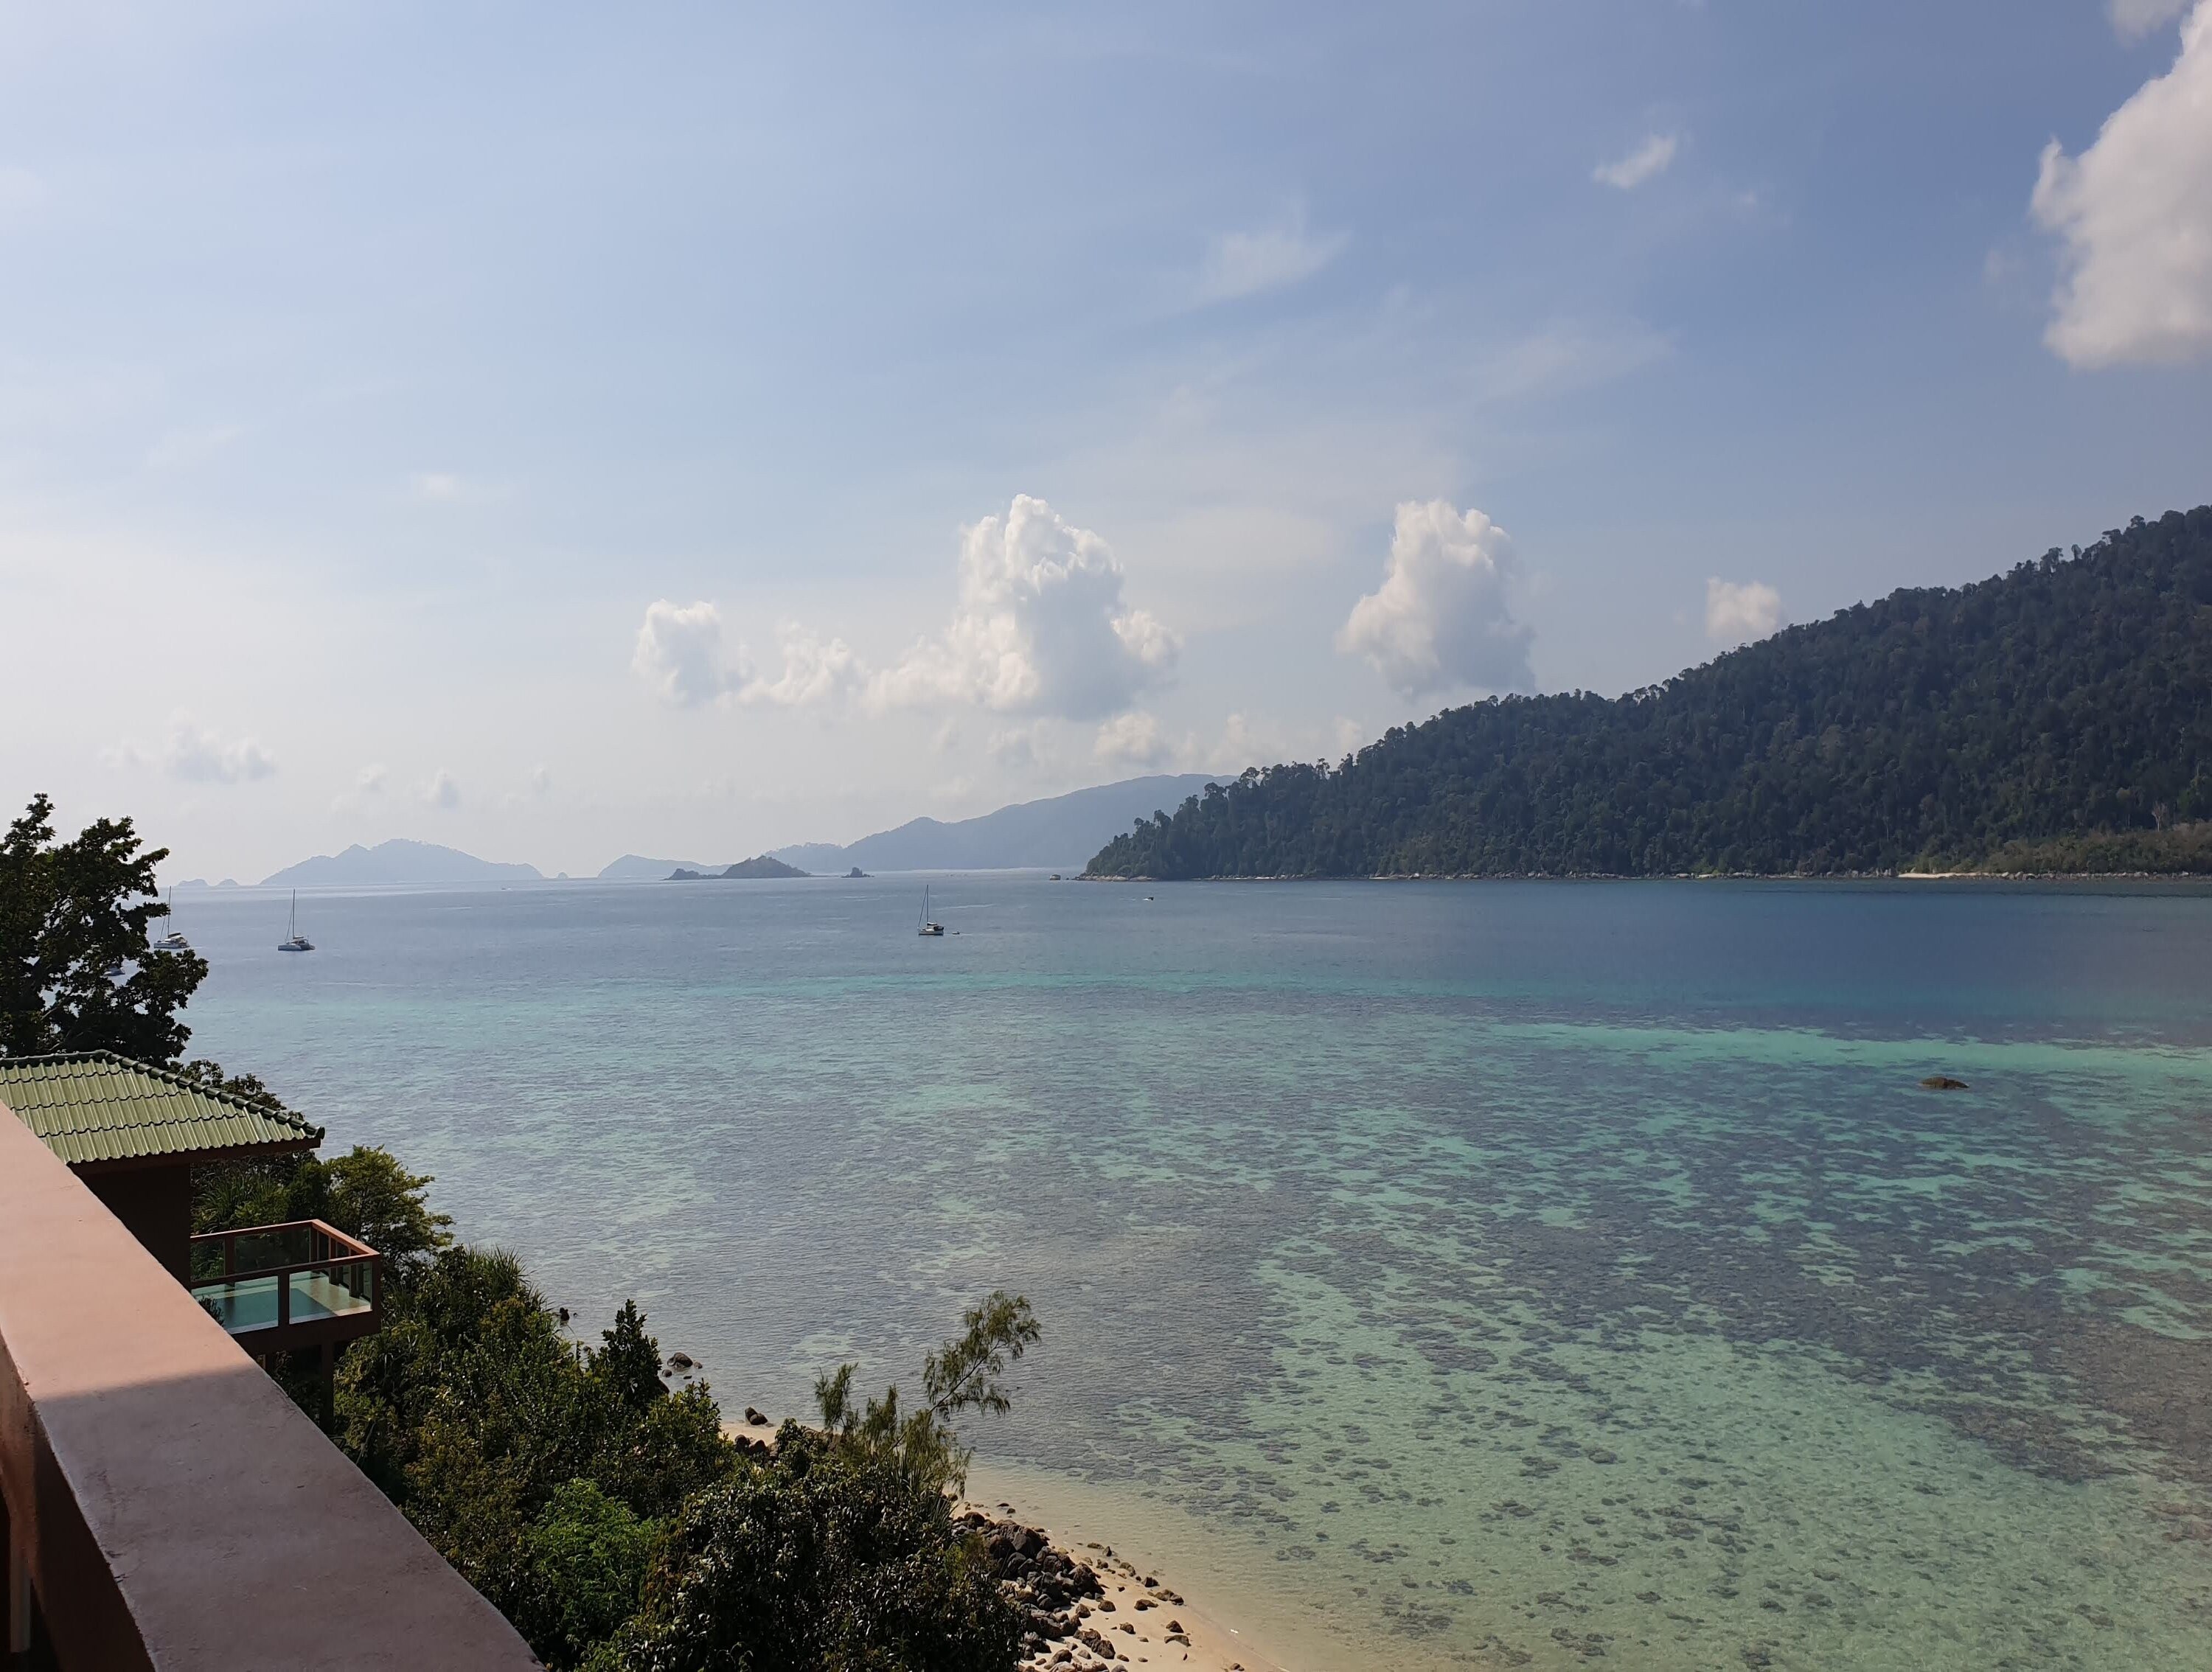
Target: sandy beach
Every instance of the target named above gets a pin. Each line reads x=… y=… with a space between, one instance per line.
x=1140 y=1618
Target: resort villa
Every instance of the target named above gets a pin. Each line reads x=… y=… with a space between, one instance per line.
x=164 y=1503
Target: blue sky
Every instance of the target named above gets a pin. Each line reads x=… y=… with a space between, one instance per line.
x=556 y=430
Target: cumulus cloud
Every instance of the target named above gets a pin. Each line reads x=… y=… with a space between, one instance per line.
x=370 y=780
x=194 y=755
x=441 y=792
x=1245 y=264
x=679 y=654
x=815 y=670
x=1441 y=618
x=1737 y=612
x=685 y=660
x=1041 y=627
x=1131 y=741
x=2135 y=213
x=2134 y=19
x=1646 y=162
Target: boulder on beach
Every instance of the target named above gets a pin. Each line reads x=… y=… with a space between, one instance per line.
x=755 y=1418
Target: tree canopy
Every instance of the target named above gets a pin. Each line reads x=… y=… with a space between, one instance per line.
x=2068 y=699
x=74 y=973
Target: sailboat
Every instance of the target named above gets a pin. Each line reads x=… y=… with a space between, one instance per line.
x=928 y=925
x=174 y=941
x=298 y=943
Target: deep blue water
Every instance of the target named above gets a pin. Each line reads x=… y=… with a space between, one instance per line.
x=1480 y=1270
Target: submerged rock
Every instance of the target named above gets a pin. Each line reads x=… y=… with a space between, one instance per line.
x=1944 y=1083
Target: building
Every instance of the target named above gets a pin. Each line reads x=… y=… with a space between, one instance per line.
x=133 y=1133
x=162 y=1501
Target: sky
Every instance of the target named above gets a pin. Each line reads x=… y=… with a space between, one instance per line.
x=559 y=431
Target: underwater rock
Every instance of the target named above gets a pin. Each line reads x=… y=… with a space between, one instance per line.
x=1944 y=1083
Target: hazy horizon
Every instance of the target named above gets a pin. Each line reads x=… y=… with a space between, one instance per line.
x=556 y=435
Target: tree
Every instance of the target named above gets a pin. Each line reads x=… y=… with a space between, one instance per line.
x=74 y=973
x=828 y=1559
x=2060 y=714
x=365 y=1192
x=584 y=1561
x=966 y=1374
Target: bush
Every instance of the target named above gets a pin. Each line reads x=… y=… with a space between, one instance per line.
x=833 y=1559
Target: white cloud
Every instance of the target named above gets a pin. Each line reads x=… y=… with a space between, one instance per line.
x=193 y=755
x=1441 y=618
x=679 y=654
x=1647 y=162
x=441 y=792
x=2134 y=19
x=1131 y=741
x=370 y=780
x=815 y=670
x=683 y=657
x=541 y=780
x=1041 y=627
x=1738 y=612
x=1245 y=264
x=2134 y=211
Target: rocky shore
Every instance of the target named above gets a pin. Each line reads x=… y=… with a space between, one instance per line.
x=1089 y=1607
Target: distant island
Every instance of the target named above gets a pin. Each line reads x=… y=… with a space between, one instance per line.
x=761 y=865
x=1029 y=835
x=399 y=862
x=1053 y=833
x=2055 y=719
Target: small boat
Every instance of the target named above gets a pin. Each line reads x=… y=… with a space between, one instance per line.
x=174 y=941
x=928 y=925
x=298 y=942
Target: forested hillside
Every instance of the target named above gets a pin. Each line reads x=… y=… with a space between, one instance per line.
x=2068 y=699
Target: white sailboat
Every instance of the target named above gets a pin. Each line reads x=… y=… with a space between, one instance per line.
x=174 y=941
x=298 y=942
x=928 y=925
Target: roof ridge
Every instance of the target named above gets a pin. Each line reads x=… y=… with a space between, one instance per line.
x=282 y=1114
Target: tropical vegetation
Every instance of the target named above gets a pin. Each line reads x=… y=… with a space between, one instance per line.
x=2056 y=717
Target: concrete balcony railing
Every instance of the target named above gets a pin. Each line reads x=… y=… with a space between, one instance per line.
x=162 y=1501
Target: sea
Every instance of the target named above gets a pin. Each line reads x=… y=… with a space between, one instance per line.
x=1491 y=1274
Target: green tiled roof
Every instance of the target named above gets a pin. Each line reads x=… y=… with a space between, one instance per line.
x=97 y=1106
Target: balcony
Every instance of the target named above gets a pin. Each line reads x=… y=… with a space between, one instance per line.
x=162 y=1503
x=288 y=1288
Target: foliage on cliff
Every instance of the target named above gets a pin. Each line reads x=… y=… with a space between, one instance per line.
x=2069 y=698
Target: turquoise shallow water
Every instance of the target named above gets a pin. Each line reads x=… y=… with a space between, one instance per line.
x=1491 y=1274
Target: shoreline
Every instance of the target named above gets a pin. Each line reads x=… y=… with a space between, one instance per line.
x=1135 y=1614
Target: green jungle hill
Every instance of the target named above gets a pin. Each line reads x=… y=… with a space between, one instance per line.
x=2056 y=718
